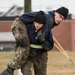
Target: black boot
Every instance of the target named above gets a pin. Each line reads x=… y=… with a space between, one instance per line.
x=8 y=71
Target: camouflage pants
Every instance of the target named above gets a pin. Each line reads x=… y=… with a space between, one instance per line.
x=38 y=63
x=21 y=53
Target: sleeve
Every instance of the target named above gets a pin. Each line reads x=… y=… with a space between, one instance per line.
x=48 y=43
x=27 y=17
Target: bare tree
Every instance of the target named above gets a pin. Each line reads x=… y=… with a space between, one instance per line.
x=27 y=5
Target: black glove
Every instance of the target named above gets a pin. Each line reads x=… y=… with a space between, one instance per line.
x=47 y=46
x=21 y=42
x=8 y=71
x=40 y=36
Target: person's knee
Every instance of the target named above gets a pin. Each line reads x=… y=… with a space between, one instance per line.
x=21 y=42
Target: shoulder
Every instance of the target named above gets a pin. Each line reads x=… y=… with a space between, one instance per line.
x=49 y=14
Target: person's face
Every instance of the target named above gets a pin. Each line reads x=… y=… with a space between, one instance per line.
x=58 y=18
x=38 y=25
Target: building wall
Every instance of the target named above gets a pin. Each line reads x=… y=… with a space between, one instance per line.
x=73 y=35
x=5 y=26
x=64 y=33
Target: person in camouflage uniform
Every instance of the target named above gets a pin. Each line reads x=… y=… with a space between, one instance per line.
x=39 y=25
x=22 y=44
x=22 y=48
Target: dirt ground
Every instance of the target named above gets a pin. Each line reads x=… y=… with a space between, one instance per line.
x=58 y=64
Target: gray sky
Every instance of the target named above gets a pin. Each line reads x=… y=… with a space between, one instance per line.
x=56 y=3
x=5 y=4
x=39 y=4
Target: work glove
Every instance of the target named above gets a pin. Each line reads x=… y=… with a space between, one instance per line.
x=21 y=42
x=47 y=46
x=8 y=71
x=41 y=36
